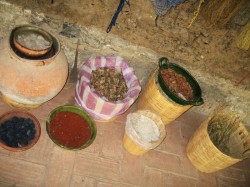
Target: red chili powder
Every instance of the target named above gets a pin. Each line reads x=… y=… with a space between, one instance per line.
x=177 y=84
x=69 y=129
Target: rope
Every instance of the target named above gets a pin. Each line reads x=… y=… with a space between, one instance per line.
x=196 y=13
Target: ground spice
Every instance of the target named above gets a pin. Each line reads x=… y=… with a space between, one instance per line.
x=146 y=128
x=69 y=129
x=177 y=84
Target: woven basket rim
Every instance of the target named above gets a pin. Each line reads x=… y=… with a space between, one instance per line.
x=206 y=124
x=157 y=120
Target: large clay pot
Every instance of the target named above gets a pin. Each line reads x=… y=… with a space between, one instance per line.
x=27 y=82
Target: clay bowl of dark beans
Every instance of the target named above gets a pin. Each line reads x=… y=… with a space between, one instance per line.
x=32 y=41
x=19 y=130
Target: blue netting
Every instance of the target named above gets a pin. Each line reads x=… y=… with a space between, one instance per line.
x=162 y=6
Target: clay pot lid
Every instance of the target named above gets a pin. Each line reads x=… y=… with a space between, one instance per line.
x=32 y=41
x=25 y=120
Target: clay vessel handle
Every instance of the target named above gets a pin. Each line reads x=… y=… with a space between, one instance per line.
x=163 y=61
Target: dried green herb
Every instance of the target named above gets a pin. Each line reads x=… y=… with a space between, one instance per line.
x=220 y=129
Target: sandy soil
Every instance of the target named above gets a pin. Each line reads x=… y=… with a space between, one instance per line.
x=202 y=46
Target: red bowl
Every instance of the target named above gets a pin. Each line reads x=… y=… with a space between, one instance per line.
x=23 y=114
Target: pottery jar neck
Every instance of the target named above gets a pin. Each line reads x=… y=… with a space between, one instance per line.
x=36 y=61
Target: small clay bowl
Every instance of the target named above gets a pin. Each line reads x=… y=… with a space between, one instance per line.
x=32 y=41
x=19 y=114
x=68 y=127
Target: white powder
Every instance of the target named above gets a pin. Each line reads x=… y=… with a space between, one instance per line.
x=146 y=129
x=33 y=41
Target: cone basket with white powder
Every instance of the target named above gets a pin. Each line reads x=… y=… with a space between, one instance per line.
x=144 y=131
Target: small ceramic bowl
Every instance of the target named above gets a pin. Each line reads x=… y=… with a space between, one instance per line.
x=68 y=120
x=32 y=41
x=13 y=123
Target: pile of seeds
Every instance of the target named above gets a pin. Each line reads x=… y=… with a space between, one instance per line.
x=109 y=83
x=177 y=84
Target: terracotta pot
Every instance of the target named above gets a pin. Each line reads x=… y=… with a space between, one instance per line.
x=27 y=82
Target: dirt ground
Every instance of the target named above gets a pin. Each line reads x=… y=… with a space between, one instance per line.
x=201 y=46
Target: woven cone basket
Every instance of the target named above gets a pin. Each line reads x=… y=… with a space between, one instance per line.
x=133 y=145
x=205 y=156
x=153 y=98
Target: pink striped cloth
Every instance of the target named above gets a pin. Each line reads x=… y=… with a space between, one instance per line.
x=99 y=107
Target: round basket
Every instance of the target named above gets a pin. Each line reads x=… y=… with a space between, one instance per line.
x=206 y=157
x=98 y=107
x=158 y=98
x=133 y=143
x=153 y=98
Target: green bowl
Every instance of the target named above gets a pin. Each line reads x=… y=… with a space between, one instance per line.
x=82 y=113
x=197 y=98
